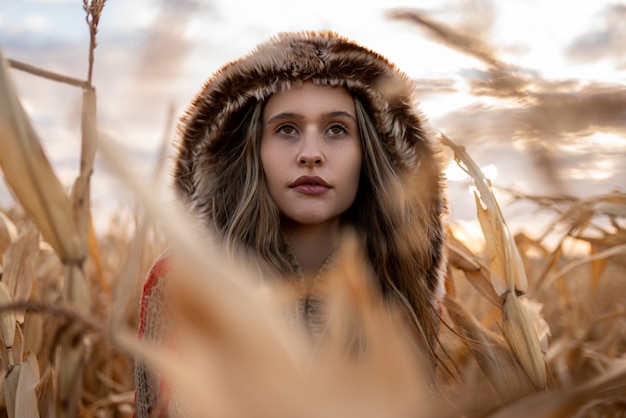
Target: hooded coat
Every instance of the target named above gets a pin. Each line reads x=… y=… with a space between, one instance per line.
x=287 y=60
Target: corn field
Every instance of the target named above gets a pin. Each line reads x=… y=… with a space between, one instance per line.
x=529 y=328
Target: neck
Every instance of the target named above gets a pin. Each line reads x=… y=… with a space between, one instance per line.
x=312 y=244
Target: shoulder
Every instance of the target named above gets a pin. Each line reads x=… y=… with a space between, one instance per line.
x=153 y=293
x=160 y=268
x=153 y=327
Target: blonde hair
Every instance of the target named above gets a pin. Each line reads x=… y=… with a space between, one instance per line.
x=241 y=211
x=388 y=214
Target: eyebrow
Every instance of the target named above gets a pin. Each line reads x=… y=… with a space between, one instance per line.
x=291 y=115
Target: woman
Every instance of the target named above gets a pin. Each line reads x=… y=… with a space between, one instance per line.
x=283 y=148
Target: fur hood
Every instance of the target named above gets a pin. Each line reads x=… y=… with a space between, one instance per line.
x=326 y=59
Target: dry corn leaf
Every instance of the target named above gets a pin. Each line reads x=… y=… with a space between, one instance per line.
x=94 y=253
x=253 y=332
x=9 y=388
x=495 y=361
x=366 y=346
x=8 y=233
x=461 y=257
x=552 y=404
x=606 y=242
x=350 y=285
x=237 y=347
x=72 y=360
x=480 y=281
x=237 y=378
x=527 y=244
x=80 y=201
x=2 y=377
x=541 y=327
x=597 y=267
x=89 y=132
x=504 y=259
x=19 y=263
x=33 y=332
x=608 y=239
x=45 y=391
x=477 y=274
x=565 y=294
x=614 y=205
x=7 y=322
x=26 y=399
x=129 y=274
x=569 y=401
x=76 y=292
x=76 y=289
x=581 y=213
x=549 y=264
x=613 y=378
x=213 y=377
x=495 y=243
x=17 y=351
x=115 y=399
x=619 y=249
x=80 y=196
x=173 y=367
x=520 y=334
x=30 y=175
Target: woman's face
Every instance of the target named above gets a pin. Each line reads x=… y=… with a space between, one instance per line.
x=311 y=152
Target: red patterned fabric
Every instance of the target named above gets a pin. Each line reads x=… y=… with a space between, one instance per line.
x=159 y=271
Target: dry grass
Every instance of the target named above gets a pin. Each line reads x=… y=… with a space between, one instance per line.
x=528 y=329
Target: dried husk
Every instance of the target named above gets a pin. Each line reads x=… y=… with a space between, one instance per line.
x=491 y=353
x=522 y=338
x=7 y=323
x=19 y=263
x=26 y=398
x=30 y=175
x=8 y=233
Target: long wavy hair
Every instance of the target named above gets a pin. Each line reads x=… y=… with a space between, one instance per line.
x=385 y=212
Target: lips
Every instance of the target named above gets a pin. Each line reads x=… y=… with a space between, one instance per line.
x=312 y=185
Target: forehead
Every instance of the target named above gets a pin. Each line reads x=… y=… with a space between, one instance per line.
x=310 y=98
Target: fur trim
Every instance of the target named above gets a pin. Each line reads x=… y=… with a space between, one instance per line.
x=327 y=59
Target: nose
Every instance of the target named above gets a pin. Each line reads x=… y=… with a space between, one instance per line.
x=310 y=153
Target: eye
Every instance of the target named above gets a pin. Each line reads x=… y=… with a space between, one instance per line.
x=286 y=129
x=337 y=129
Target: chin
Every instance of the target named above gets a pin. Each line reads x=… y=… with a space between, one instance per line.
x=309 y=218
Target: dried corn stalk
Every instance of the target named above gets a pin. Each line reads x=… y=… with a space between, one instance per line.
x=505 y=264
x=64 y=222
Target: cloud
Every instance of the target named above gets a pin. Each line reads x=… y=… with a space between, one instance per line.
x=543 y=110
x=434 y=87
x=550 y=128
x=36 y=23
x=518 y=113
x=606 y=41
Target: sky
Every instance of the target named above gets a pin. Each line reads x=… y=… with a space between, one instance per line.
x=533 y=89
